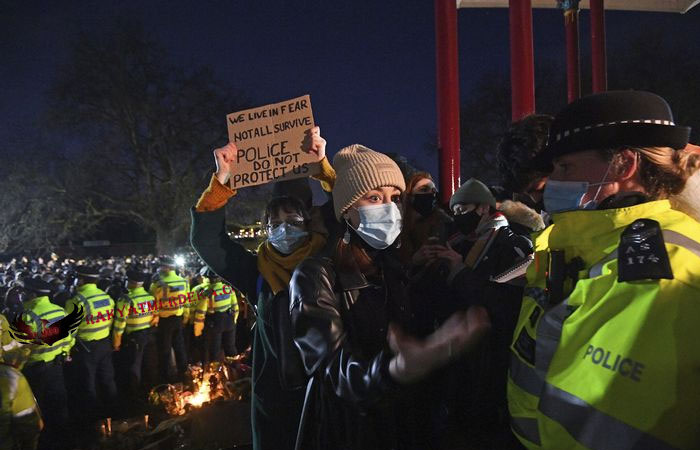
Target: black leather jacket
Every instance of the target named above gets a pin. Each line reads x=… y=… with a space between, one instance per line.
x=340 y=320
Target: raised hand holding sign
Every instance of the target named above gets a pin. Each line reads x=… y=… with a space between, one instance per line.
x=268 y=144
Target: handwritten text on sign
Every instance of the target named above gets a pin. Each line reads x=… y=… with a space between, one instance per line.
x=269 y=141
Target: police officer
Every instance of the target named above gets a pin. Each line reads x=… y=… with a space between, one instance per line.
x=216 y=314
x=117 y=288
x=44 y=368
x=92 y=353
x=171 y=294
x=195 y=344
x=605 y=353
x=134 y=318
x=20 y=417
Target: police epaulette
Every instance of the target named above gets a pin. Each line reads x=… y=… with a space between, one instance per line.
x=642 y=253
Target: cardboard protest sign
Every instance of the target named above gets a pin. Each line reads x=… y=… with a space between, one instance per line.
x=269 y=141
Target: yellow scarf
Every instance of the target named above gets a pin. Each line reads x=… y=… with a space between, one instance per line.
x=277 y=268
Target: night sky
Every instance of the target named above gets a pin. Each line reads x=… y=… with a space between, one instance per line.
x=368 y=65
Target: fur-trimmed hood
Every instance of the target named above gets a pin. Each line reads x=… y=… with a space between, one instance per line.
x=518 y=212
x=688 y=201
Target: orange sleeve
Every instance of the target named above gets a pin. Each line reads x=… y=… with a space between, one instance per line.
x=214 y=196
x=326 y=176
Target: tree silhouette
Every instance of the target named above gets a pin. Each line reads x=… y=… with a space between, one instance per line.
x=36 y=214
x=145 y=129
x=652 y=61
x=665 y=65
x=485 y=116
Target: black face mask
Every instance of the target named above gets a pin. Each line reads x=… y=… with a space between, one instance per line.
x=424 y=204
x=466 y=223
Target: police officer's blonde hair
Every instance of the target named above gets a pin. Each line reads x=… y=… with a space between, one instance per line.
x=663 y=171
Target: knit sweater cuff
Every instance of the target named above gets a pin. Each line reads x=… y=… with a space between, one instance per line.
x=326 y=176
x=215 y=196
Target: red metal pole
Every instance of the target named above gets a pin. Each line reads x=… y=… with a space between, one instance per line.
x=522 y=65
x=447 y=96
x=573 y=65
x=598 y=62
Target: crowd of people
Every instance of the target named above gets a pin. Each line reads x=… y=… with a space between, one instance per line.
x=124 y=320
x=553 y=310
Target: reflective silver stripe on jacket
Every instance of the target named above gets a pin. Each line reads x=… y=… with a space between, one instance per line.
x=41 y=350
x=12 y=377
x=670 y=237
x=531 y=380
x=526 y=427
x=86 y=304
x=681 y=240
x=53 y=311
x=525 y=376
x=548 y=336
x=36 y=319
x=597 y=269
x=593 y=428
x=25 y=412
x=94 y=330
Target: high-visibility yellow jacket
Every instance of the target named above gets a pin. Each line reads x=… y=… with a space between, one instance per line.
x=193 y=299
x=222 y=298
x=134 y=311
x=5 y=337
x=12 y=352
x=172 y=292
x=99 y=312
x=36 y=310
x=20 y=419
x=615 y=364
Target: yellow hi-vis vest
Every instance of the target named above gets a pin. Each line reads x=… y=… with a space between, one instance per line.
x=172 y=292
x=616 y=364
x=36 y=310
x=197 y=295
x=99 y=312
x=222 y=299
x=134 y=311
x=20 y=420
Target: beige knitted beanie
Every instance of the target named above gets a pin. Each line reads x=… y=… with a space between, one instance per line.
x=360 y=169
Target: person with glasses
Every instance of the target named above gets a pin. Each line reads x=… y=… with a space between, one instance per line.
x=263 y=279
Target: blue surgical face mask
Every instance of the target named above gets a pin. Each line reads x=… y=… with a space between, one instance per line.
x=286 y=238
x=380 y=225
x=560 y=196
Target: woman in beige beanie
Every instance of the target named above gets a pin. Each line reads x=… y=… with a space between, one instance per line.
x=348 y=309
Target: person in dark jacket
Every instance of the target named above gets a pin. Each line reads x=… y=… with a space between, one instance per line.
x=261 y=277
x=425 y=222
x=487 y=263
x=344 y=304
x=523 y=175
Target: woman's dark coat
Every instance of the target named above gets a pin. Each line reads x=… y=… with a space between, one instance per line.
x=275 y=410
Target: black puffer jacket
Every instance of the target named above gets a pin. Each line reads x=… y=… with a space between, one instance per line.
x=478 y=385
x=341 y=320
